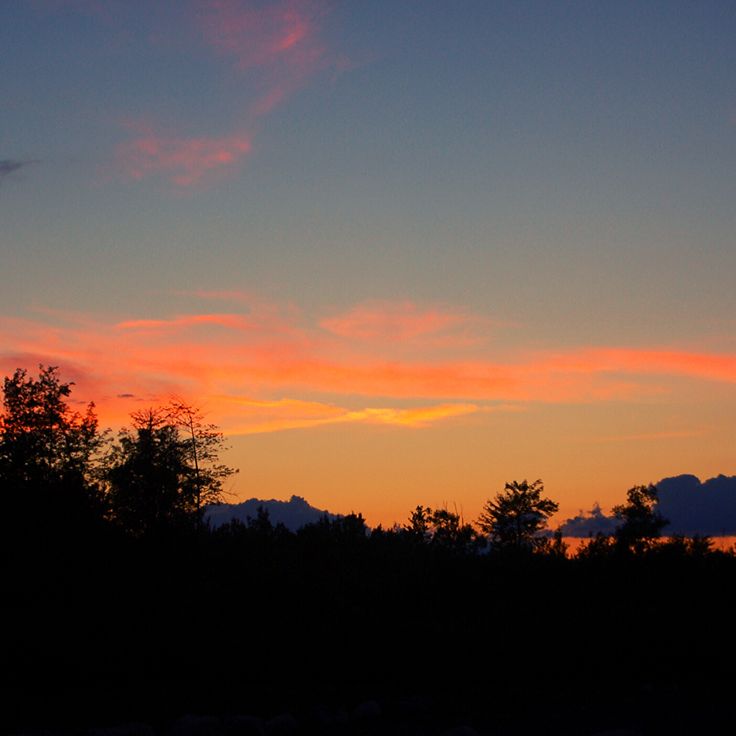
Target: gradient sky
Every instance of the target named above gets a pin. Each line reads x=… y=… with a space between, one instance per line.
x=402 y=251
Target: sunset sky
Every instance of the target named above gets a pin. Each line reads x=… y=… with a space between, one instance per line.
x=401 y=251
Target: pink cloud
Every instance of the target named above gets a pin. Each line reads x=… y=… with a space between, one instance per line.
x=391 y=321
x=230 y=321
x=185 y=162
x=273 y=351
x=408 y=323
x=283 y=32
x=277 y=42
x=277 y=49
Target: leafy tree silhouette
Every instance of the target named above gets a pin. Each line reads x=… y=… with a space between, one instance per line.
x=515 y=517
x=441 y=528
x=419 y=525
x=641 y=523
x=597 y=547
x=48 y=452
x=159 y=476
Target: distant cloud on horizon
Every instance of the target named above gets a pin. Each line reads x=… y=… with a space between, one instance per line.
x=691 y=506
x=588 y=524
x=293 y=514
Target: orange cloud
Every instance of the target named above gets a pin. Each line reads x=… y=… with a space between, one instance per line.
x=251 y=416
x=712 y=366
x=278 y=352
x=185 y=162
x=230 y=321
x=401 y=321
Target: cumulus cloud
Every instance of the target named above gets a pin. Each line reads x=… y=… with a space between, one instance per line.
x=293 y=514
x=588 y=524
x=695 y=507
x=690 y=506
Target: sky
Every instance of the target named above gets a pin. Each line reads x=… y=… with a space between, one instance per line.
x=400 y=251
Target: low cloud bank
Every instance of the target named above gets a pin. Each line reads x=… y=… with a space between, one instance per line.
x=293 y=514
x=690 y=505
x=588 y=524
x=695 y=507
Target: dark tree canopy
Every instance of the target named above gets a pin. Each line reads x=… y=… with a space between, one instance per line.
x=640 y=522
x=514 y=519
x=48 y=451
x=441 y=528
x=40 y=436
x=163 y=470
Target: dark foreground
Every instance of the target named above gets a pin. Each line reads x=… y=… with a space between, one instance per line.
x=350 y=635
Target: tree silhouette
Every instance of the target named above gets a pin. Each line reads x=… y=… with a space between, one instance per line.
x=515 y=517
x=159 y=476
x=203 y=442
x=419 y=525
x=441 y=528
x=48 y=452
x=641 y=523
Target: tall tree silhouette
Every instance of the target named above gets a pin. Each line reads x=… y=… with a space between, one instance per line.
x=515 y=517
x=202 y=443
x=160 y=475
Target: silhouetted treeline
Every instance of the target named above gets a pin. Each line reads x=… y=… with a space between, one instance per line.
x=122 y=605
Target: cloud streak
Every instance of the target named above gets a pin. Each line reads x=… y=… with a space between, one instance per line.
x=253 y=416
x=9 y=166
x=278 y=41
x=275 y=47
x=256 y=366
x=184 y=162
x=398 y=322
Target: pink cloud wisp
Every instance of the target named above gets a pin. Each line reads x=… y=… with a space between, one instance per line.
x=275 y=352
x=185 y=162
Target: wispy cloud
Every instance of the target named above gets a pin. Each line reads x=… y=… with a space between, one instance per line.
x=241 y=361
x=381 y=321
x=184 y=162
x=279 y=41
x=9 y=166
x=252 y=416
x=230 y=321
x=275 y=47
